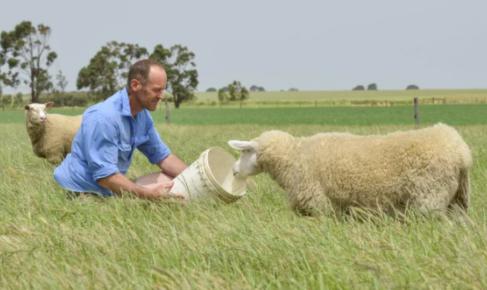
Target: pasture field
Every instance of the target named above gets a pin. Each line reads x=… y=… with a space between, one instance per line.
x=50 y=241
x=360 y=98
x=464 y=114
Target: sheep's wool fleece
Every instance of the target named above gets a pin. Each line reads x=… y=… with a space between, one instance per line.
x=425 y=168
x=52 y=140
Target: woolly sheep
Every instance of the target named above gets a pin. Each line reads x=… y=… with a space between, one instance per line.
x=425 y=169
x=51 y=134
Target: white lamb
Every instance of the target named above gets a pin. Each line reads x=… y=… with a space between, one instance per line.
x=424 y=169
x=51 y=134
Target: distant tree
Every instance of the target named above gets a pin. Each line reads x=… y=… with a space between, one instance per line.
x=372 y=87
x=108 y=70
x=18 y=101
x=61 y=82
x=237 y=92
x=211 y=90
x=6 y=100
x=293 y=90
x=358 y=88
x=28 y=55
x=223 y=96
x=255 y=88
x=412 y=87
x=181 y=71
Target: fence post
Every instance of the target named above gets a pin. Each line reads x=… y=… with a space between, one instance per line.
x=167 y=115
x=416 y=111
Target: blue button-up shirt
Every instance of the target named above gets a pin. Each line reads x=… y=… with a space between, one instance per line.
x=105 y=143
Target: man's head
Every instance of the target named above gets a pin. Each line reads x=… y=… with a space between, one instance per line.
x=146 y=83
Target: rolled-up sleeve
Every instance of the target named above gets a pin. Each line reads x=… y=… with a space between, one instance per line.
x=101 y=149
x=154 y=149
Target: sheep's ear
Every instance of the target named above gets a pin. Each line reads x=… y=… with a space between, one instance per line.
x=242 y=145
x=49 y=104
x=27 y=107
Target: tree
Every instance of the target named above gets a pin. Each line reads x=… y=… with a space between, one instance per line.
x=293 y=90
x=358 y=88
x=181 y=71
x=28 y=55
x=61 y=82
x=18 y=101
x=237 y=92
x=223 y=96
x=210 y=90
x=108 y=70
x=412 y=87
x=372 y=87
x=255 y=88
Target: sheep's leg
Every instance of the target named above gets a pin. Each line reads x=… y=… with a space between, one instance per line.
x=54 y=157
x=54 y=160
x=310 y=201
x=432 y=202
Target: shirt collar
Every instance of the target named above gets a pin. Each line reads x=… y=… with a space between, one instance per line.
x=125 y=103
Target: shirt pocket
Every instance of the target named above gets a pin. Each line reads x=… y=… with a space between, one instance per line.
x=124 y=151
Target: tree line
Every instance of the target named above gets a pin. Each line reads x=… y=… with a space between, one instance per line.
x=25 y=58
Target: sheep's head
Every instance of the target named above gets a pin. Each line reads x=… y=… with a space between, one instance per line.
x=36 y=113
x=247 y=163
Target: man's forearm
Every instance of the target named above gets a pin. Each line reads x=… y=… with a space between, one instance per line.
x=172 y=166
x=119 y=183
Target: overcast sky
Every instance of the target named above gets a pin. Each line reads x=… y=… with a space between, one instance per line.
x=278 y=44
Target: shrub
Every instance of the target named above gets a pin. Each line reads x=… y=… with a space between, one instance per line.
x=372 y=87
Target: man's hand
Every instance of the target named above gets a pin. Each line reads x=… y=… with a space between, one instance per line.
x=161 y=190
x=157 y=189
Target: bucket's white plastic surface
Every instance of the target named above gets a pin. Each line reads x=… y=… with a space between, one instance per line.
x=210 y=176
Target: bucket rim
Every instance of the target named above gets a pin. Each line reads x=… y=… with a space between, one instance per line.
x=222 y=193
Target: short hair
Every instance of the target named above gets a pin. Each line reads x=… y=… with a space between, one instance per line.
x=140 y=70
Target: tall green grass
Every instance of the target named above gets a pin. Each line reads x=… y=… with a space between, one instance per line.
x=50 y=241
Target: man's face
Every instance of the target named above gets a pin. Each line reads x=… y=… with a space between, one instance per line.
x=152 y=92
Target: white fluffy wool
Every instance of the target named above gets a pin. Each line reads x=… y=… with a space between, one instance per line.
x=51 y=138
x=425 y=169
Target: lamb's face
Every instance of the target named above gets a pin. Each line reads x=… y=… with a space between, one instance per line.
x=247 y=163
x=36 y=113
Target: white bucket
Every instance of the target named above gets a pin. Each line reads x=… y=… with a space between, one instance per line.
x=210 y=175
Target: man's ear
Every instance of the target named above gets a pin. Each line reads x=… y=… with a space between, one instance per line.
x=135 y=85
x=49 y=105
x=242 y=145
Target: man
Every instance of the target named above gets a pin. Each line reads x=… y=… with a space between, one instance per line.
x=103 y=147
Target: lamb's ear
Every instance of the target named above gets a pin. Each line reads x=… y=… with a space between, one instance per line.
x=49 y=105
x=242 y=145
